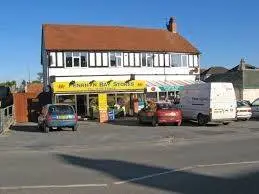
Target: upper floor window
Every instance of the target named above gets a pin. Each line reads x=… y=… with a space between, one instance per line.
x=147 y=59
x=184 y=60
x=115 y=59
x=84 y=59
x=69 y=59
x=175 y=60
x=76 y=59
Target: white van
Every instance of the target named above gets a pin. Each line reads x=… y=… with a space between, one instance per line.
x=209 y=102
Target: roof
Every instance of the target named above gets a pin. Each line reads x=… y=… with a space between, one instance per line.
x=215 y=70
x=34 y=88
x=86 y=37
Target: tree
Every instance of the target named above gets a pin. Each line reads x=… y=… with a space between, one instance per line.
x=40 y=77
x=36 y=82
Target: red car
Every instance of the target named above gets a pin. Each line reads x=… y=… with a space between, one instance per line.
x=163 y=113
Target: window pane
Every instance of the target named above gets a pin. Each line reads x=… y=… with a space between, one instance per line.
x=68 y=59
x=75 y=54
x=137 y=59
x=98 y=59
x=112 y=60
x=143 y=59
x=92 y=59
x=161 y=60
x=167 y=59
x=83 y=59
x=131 y=59
x=105 y=59
x=184 y=61
x=150 y=60
x=76 y=62
x=118 y=61
x=156 y=61
x=175 y=60
x=126 y=60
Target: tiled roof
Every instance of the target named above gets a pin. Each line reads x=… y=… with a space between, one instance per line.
x=85 y=37
x=215 y=70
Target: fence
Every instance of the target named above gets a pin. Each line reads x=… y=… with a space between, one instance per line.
x=6 y=118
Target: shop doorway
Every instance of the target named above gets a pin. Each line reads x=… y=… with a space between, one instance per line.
x=81 y=105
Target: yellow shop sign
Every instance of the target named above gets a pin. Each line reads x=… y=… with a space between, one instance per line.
x=98 y=86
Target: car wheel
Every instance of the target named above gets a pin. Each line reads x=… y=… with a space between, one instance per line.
x=59 y=129
x=74 y=128
x=202 y=120
x=45 y=128
x=154 y=122
x=225 y=123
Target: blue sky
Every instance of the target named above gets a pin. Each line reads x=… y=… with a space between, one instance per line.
x=224 y=31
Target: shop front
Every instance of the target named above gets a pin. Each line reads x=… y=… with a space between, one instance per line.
x=165 y=90
x=83 y=95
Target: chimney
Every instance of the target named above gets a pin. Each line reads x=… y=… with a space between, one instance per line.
x=171 y=26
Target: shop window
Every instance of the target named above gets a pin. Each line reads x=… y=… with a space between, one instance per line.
x=151 y=96
x=175 y=60
x=115 y=59
x=162 y=96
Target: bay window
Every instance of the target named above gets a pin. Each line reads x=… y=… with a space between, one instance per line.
x=184 y=60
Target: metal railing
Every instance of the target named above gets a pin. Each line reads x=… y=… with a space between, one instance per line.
x=6 y=118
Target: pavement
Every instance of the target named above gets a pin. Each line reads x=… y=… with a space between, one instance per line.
x=123 y=157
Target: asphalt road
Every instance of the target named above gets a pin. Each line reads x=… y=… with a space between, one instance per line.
x=186 y=160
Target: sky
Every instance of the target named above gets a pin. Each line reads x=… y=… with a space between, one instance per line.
x=224 y=30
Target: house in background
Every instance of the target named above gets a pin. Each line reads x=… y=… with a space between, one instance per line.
x=245 y=79
x=80 y=61
x=205 y=74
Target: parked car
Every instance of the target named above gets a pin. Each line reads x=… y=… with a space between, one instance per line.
x=244 y=111
x=255 y=108
x=57 y=116
x=163 y=113
x=209 y=102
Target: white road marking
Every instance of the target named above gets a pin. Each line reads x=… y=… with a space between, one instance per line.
x=151 y=175
x=183 y=169
x=52 y=186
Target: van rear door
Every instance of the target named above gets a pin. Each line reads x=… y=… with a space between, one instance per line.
x=223 y=102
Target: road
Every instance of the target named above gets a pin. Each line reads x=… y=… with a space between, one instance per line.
x=186 y=160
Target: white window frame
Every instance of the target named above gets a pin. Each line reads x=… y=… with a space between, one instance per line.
x=148 y=56
x=118 y=55
x=76 y=55
x=179 y=58
x=187 y=64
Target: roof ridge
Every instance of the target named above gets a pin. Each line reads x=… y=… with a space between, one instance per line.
x=104 y=26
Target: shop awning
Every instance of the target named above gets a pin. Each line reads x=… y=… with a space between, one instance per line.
x=163 y=86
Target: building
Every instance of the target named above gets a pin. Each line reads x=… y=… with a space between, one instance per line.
x=245 y=79
x=80 y=61
x=212 y=71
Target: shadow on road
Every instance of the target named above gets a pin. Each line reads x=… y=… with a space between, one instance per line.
x=26 y=128
x=133 y=122
x=181 y=182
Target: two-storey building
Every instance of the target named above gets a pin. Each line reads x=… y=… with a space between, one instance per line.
x=80 y=61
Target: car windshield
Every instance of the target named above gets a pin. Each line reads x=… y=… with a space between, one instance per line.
x=241 y=103
x=165 y=106
x=61 y=109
